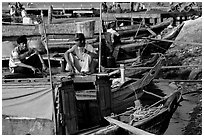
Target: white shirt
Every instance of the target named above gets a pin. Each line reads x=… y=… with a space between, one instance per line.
x=23 y=13
x=113 y=32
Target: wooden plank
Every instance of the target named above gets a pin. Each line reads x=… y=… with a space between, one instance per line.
x=152 y=32
x=83 y=11
x=21 y=24
x=134 y=15
x=132 y=129
x=163 y=67
x=127 y=60
x=174 y=41
x=83 y=79
x=173 y=80
x=176 y=80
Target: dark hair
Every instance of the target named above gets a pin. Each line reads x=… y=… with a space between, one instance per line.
x=80 y=37
x=22 y=39
x=111 y=25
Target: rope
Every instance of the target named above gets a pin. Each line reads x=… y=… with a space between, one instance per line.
x=141 y=21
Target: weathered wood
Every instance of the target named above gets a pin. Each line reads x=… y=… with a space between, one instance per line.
x=174 y=41
x=163 y=67
x=50 y=12
x=69 y=106
x=152 y=32
x=104 y=95
x=173 y=80
x=152 y=94
x=13 y=23
x=132 y=15
x=132 y=129
x=127 y=61
x=176 y=80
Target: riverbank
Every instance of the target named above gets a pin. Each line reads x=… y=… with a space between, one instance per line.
x=187 y=120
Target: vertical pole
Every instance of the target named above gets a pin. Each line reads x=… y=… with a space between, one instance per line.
x=122 y=73
x=41 y=13
x=44 y=39
x=63 y=9
x=132 y=20
x=50 y=10
x=100 y=29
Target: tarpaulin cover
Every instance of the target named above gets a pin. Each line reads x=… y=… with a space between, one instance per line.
x=27 y=101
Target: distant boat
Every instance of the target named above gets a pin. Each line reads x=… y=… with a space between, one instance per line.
x=129 y=31
x=147 y=46
x=137 y=29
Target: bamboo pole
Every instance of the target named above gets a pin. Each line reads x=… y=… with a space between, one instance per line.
x=141 y=23
x=174 y=80
x=100 y=29
x=45 y=40
x=174 y=41
x=163 y=67
x=127 y=127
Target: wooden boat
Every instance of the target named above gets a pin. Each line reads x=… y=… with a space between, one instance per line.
x=151 y=113
x=134 y=66
x=123 y=95
x=143 y=31
x=120 y=97
x=140 y=30
x=148 y=46
x=71 y=117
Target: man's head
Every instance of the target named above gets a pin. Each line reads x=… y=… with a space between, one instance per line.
x=112 y=25
x=22 y=42
x=80 y=39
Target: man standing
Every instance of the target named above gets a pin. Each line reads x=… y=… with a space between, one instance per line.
x=79 y=58
x=24 y=60
x=115 y=36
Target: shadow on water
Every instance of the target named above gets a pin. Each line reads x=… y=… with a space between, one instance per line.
x=181 y=117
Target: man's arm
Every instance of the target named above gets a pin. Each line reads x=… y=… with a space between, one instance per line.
x=66 y=55
x=44 y=67
x=91 y=51
x=24 y=55
x=92 y=54
x=26 y=66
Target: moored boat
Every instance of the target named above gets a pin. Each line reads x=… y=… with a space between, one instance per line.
x=151 y=113
x=118 y=98
x=147 y=46
x=144 y=31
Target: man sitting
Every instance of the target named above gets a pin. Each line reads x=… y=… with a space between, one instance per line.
x=24 y=60
x=79 y=58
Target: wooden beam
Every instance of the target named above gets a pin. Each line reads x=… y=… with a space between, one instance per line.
x=127 y=127
x=173 y=80
x=163 y=67
x=174 y=41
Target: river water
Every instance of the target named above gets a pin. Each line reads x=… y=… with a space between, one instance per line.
x=181 y=117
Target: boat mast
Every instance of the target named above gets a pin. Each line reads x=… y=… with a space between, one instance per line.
x=100 y=30
x=44 y=39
